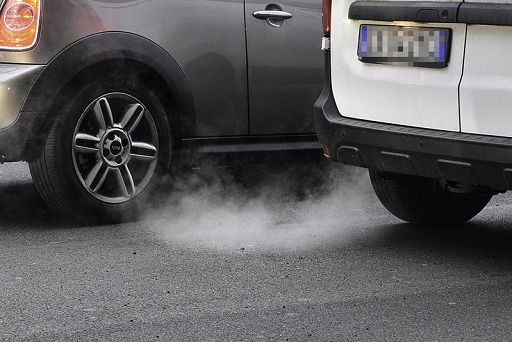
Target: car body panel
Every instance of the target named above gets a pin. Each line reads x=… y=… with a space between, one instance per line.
x=209 y=48
x=485 y=105
x=15 y=83
x=207 y=39
x=285 y=68
x=198 y=47
x=410 y=96
x=473 y=160
x=55 y=83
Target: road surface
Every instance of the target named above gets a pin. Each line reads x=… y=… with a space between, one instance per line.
x=301 y=253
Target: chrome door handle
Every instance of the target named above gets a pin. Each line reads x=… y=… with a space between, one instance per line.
x=264 y=15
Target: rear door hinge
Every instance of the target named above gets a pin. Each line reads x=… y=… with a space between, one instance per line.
x=326 y=43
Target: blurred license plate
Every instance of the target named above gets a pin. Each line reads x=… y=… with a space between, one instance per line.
x=411 y=46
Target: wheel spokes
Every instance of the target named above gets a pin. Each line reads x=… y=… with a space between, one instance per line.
x=103 y=113
x=132 y=117
x=96 y=176
x=86 y=143
x=125 y=179
x=103 y=150
x=143 y=151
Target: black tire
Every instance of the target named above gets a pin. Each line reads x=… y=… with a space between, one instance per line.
x=423 y=201
x=55 y=172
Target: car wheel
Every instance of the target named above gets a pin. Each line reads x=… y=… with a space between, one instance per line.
x=423 y=201
x=103 y=158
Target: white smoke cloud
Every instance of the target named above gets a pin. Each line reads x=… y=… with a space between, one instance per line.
x=298 y=207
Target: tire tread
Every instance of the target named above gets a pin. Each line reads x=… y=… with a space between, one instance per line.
x=44 y=170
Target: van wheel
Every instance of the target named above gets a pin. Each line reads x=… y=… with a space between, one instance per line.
x=423 y=201
x=103 y=158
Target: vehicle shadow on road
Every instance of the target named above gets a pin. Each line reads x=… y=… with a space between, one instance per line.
x=475 y=239
x=21 y=204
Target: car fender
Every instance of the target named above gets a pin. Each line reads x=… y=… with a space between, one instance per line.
x=84 y=53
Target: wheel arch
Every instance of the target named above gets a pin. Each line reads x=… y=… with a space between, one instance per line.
x=86 y=57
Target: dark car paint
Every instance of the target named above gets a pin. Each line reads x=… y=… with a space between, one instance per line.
x=285 y=68
x=226 y=90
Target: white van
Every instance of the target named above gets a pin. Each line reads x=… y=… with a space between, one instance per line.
x=420 y=93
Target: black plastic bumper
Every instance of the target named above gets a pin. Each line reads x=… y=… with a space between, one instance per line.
x=454 y=156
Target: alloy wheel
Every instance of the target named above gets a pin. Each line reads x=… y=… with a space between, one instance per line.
x=115 y=148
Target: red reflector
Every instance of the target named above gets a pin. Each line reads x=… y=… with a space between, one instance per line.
x=326 y=17
x=327 y=153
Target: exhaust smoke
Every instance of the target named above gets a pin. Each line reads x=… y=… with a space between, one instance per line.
x=296 y=206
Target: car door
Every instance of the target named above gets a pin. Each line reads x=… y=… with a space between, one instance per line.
x=486 y=87
x=398 y=93
x=207 y=39
x=285 y=65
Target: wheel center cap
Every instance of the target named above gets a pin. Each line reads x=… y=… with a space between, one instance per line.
x=116 y=146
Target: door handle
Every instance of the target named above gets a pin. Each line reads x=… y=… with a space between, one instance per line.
x=264 y=15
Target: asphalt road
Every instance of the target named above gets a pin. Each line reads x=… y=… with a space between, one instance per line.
x=257 y=256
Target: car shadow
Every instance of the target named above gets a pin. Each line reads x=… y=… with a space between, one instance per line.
x=21 y=205
x=477 y=239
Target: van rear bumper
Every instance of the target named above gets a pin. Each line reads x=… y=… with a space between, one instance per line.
x=453 y=156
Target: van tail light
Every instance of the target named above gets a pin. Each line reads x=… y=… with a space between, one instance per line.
x=19 y=24
x=327 y=153
x=326 y=17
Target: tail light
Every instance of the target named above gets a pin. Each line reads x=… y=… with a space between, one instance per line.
x=326 y=17
x=327 y=153
x=19 y=24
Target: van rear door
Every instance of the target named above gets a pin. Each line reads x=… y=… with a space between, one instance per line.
x=486 y=87
x=383 y=57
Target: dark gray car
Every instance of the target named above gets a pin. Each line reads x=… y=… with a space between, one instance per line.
x=97 y=94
